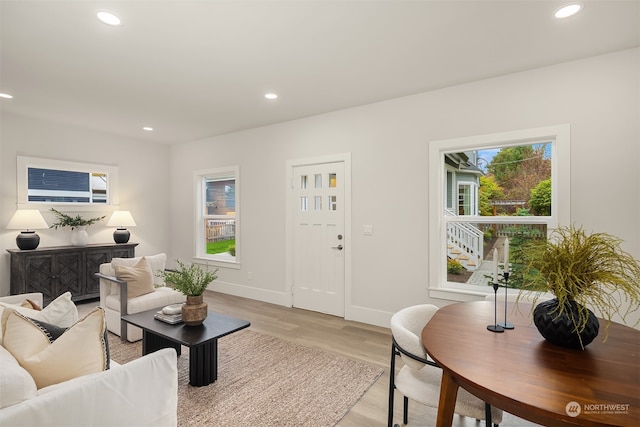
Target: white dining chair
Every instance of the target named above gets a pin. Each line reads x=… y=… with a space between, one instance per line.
x=419 y=379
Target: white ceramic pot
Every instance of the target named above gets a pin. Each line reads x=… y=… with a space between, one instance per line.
x=79 y=236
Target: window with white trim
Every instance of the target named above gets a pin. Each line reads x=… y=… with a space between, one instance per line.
x=217 y=213
x=472 y=214
x=49 y=182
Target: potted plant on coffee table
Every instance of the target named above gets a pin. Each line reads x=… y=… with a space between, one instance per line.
x=79 y=235
x=192 y=281
x=581 y=270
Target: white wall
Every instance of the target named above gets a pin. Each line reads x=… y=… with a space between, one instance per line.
x=143 y=173
x=389 y=141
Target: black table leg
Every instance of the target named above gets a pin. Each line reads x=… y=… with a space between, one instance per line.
x=152 y=342
x=203 y=363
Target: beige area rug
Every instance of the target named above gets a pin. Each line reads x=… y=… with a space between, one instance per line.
x=264 y=381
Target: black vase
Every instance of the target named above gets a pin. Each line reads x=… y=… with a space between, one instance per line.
x=560 y=329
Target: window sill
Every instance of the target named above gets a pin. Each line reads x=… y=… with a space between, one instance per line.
x=217 y=262
x=450 y=293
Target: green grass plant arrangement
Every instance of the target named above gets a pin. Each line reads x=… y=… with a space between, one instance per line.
x=65 y=220
x=191 y=280
x=590 y=269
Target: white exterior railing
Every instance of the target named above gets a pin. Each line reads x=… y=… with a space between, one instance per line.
x=465 y=243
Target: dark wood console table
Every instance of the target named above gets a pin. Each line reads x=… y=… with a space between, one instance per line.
x=56 y=270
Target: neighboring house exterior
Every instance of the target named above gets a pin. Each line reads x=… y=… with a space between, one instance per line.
x=464 y=240
x=66 y=186
x=463 y=181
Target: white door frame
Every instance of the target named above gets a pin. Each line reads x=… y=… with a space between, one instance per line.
x=345 y=158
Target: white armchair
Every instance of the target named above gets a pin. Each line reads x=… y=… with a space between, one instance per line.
x=113 y=295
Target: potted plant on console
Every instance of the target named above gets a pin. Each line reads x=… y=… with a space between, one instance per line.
x=192 y=281
x=79 y=235
x=579 y=269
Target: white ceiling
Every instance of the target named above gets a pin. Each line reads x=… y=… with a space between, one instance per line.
x=193 y=69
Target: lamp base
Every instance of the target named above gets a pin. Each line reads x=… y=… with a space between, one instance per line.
x=121 y=235
x=28 y=240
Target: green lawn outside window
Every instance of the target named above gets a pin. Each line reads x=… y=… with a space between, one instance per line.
x=220 y=247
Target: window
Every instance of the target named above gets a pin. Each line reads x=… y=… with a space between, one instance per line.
x=467 y=198
x=488 y=189
x=46 y=181
x=217 y=214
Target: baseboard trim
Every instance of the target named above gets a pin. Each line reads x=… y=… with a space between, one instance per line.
x=273 y=297
x=354 y=313
x=369 y=316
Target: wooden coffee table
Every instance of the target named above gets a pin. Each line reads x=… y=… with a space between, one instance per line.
x=202 y=340
x=521 y=373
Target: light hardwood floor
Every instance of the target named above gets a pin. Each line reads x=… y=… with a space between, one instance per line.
x=358 y=341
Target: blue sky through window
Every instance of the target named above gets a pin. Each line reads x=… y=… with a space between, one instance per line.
x=485 y=156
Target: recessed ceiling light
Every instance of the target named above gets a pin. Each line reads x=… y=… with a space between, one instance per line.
x=6 y=95
x=148 y=129
x=108 y=18
x=271 y=96
x=568 y=10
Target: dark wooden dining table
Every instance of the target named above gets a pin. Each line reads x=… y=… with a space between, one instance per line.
x=520 y=372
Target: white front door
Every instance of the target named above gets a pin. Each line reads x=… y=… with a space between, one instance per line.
x=318 y=257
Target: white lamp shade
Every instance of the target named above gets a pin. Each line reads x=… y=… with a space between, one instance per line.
x=121 y=219
x=27 y=219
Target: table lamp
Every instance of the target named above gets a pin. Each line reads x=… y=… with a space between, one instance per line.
x=121 y=219
x=27 y=220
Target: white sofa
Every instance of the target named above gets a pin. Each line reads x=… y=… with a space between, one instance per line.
x=143 y=392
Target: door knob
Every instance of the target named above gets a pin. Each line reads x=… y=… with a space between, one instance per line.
x=339 y=247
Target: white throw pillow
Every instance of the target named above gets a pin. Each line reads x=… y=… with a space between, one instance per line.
x=60 y=312
x=16 y=385
x=80 y=350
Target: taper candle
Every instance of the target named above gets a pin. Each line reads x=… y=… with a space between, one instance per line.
x=495 y=265
x=506 y=255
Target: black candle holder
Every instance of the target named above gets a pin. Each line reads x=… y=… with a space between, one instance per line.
x=495 y=327
x=505 y=324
